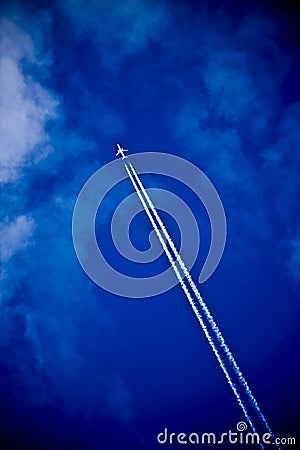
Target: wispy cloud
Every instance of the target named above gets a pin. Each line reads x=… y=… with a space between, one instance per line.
x=281 y=174
x=245 y=136
x=26 y=106
x=120 y=28
x=47 y=305
x=15 y=236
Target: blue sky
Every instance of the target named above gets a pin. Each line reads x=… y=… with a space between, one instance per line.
x=213 y=82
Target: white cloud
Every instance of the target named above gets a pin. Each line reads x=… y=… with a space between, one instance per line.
x=25 y=106
x=15 y=236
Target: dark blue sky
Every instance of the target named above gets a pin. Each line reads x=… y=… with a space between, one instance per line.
x=216 y=83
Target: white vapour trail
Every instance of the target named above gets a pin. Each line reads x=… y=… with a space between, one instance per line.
x=192 y=302
x=204 y=307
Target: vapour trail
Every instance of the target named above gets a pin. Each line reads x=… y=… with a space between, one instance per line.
x=204 y=307
x=192 y=302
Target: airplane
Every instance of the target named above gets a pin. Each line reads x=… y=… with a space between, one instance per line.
x=121 y=151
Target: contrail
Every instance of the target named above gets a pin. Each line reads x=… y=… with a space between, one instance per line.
x=216 y=332
x=192 y=302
